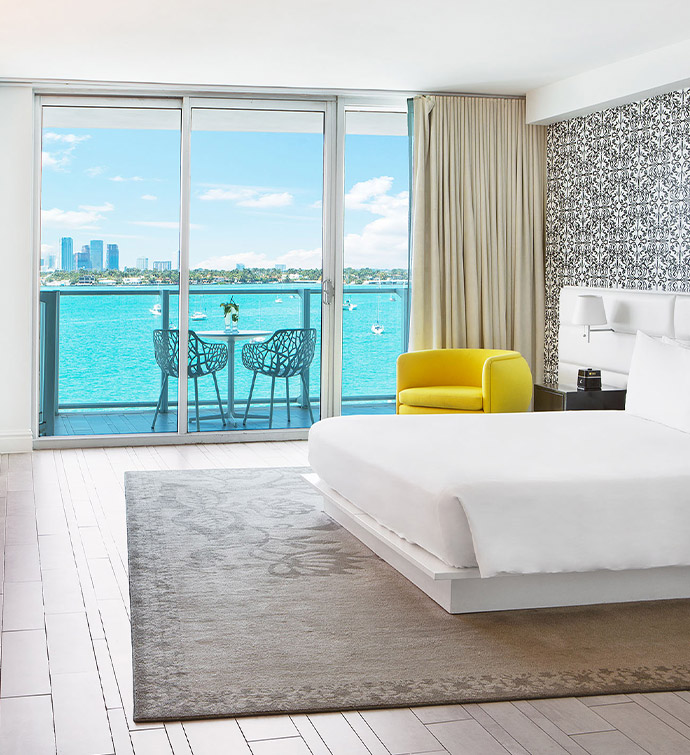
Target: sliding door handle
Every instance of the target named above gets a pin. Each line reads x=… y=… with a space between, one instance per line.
x=327 y=292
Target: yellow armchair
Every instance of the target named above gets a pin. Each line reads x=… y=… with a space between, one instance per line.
x=462 y=381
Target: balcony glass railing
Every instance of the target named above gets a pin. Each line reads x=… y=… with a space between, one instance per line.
x=99 y=374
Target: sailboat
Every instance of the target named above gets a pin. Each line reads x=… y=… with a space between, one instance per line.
x=156 y=309
x=198 y=316
x=377 y=328
x=348 y=305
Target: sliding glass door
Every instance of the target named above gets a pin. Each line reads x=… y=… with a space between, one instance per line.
x=110 y=205
x=256 y=263
x=375 y=258
x=218 y=265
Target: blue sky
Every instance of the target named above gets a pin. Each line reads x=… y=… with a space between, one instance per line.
x=256 y=197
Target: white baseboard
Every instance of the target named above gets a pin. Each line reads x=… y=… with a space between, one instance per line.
x=16 y=443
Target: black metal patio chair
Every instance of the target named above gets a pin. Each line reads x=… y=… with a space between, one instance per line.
x=285 y=354
x=203 y=358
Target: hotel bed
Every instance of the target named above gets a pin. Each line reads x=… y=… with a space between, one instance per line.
x=498 y=511
x=518 y=493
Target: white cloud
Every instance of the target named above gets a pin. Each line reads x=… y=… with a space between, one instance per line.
x=316 y=205
x=55 y=160
x=61 y=157
x=107 y=207
x=149 y=197
x=65 y=138
x=82 y=219
x=382 y=242
x=301 y=258
x=96 y=170
x=47 y=248
x=247 y=196
x=296 y=258
x=86 y=217
x=121 y=179
x=365 y=191
x=268 y=200
x=228 y=195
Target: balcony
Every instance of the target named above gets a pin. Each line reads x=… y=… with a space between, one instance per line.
x=98 y=373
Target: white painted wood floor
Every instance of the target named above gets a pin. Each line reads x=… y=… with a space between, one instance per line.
x=66 y=680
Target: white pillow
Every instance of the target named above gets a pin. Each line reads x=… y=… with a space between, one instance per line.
x=659 y=382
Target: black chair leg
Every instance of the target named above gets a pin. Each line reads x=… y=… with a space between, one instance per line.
x=220 y=403
x=270 y=414
x=160 y=402
x=306 y=393
x=196 y=403
x=249 y=400
x=287 y=397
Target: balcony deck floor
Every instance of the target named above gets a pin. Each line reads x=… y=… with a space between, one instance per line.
x=132 y=421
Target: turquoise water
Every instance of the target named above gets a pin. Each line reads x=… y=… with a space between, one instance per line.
x=106 y=343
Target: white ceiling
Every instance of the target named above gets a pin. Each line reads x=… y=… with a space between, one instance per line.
x=491 y=46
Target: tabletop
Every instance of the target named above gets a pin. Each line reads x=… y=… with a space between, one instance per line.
x=232 y=334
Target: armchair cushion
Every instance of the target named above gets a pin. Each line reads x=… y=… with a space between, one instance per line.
x=456 y=397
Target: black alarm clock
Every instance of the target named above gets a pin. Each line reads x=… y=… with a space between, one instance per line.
x=589 y=379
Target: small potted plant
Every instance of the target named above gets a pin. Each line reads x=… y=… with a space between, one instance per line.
x=231 y=310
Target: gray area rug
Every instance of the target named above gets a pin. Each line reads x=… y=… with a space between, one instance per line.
x=247 y=599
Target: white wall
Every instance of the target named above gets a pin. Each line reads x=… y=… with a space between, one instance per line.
x=16 y=198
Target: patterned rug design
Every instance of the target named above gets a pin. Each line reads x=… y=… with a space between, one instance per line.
x=247 y=599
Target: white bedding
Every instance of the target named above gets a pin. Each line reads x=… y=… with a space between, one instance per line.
x=518 y=493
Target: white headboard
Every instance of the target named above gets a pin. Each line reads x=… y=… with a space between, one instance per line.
x=657 y=313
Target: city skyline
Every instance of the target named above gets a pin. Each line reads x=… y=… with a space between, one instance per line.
x=90 y=257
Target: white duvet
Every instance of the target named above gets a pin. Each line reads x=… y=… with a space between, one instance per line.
x=518 y=493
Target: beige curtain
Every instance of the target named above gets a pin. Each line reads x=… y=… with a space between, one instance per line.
x=478 y=199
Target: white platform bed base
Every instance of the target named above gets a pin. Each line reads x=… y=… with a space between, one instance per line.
x=465 y=591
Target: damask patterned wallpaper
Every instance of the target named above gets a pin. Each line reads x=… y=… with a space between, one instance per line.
x=618 y=203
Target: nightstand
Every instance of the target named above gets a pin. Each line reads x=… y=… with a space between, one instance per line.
x=560 y=397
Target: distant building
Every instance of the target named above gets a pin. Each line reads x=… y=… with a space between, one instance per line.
x=48 y=263
x=239 y=266
x=112 y=258
x=160 y=266
x=67 y=253
x=96 y=250
x=82 y=260
x=142 y=263
x=282 y=268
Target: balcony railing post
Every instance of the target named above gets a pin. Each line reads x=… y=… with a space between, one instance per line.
x=165 y=315
x=50 y=356
x=404 y=294
x=305 y=322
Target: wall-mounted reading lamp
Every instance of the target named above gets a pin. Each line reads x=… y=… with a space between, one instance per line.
x=589 y=310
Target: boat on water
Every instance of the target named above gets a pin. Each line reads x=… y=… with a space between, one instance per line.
x=377 y=328
x=156 y=309
x=278 y=300
x=198 y=316
x=348 y=305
